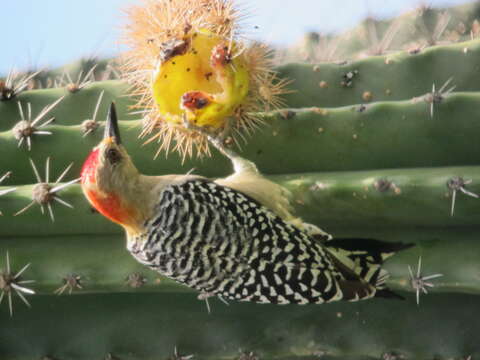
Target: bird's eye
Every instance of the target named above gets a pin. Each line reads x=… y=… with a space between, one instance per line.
x=114 y=156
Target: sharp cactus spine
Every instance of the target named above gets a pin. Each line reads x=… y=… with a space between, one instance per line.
x=188 y=61
x=12 y=86
x=5 y=191
x=313 y=330
x=416 y=197
x=28 y=126
x=449 y=139
x=403 y=76
x=44 y=193
x=78 y=269
x=12 y=284
x=83 y=102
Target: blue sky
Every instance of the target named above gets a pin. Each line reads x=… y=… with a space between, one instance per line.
x=39 y=33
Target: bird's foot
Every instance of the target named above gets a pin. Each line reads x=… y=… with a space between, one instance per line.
x=205 y=295
x=217 y=139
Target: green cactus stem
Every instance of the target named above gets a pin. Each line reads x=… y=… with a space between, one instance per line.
x=412 y=31
x=150 y=326
x=396 y=76
x=380 y=198
x=380 y=135
x=74 y=108
x=101 y=264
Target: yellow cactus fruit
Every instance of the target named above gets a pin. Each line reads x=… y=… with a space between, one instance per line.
x=188 y=65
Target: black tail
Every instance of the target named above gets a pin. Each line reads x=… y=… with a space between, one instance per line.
x=365 y=258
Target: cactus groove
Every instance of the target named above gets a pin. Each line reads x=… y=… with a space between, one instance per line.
x=399 y=76
x=414 y=197
x=102 y=264
x=397 y=134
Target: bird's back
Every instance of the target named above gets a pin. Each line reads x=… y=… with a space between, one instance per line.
x=222 y=242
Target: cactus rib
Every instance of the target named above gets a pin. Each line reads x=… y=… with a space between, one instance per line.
x=415 y=197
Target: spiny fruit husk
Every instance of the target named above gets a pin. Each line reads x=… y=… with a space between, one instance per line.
x=187 y=65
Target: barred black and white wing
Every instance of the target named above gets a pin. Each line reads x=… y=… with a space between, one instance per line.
x=222 y=242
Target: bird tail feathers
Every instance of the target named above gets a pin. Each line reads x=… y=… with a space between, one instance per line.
x=365 y=258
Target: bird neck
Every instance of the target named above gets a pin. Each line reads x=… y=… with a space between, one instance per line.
x=128 y=204
x=132 y=204
x=115 y=208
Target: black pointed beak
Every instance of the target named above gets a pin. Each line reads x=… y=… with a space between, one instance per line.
x=111 y=125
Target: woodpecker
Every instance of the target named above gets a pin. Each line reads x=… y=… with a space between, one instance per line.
x=234 y=238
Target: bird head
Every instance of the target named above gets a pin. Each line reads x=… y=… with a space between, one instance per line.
x=109 y=178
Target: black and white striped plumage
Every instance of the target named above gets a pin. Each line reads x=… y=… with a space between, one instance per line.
x=221 y=242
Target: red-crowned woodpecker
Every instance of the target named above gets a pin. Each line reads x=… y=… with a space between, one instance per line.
x=233 y=237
